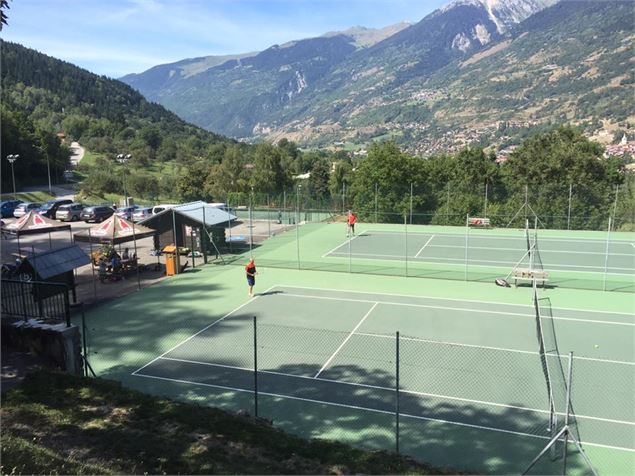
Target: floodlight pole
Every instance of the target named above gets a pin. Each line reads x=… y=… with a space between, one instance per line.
x=12 y=158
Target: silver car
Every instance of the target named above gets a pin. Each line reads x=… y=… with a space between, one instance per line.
x=141 y=214
x=70 y=212
x=25 y=208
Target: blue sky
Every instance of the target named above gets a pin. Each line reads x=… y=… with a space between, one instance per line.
x=116 y=37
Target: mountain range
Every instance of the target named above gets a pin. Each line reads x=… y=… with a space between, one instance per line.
x=481 y=71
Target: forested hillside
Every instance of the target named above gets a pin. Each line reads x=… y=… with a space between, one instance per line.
x=43 y=96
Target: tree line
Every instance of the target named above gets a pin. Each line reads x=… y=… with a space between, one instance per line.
x=560 y=173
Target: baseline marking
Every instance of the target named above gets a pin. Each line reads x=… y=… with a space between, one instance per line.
x=390 y=389
x=564 y=267
x=325 y=255
x=202 y=330
x=346 y=340
x=426 y=306
x=355 y=407
x=443 y=299
x=423 y=247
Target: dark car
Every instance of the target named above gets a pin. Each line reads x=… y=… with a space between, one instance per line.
x=8 y=207
x=24 y=208
x=70 y=212
x=49 y=208
x=96 y=213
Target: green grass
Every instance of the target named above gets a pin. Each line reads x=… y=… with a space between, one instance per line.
x=39 y=197
x=60 y=424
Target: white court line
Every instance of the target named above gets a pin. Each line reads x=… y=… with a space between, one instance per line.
x=202 y=330
x=391 y=389
x=355 y=407
x=477 y=235
x=498 y=303
x=444 y=260
x=325 y=255
x=422 y=248
x=346 y=340
x=482 y=311
x=502 y=349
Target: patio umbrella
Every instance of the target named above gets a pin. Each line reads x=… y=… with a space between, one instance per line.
x=33 y=223
x=115 y=230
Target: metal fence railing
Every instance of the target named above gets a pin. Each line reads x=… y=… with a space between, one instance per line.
x=24 y=300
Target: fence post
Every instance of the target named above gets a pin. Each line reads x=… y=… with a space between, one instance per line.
x=268 y=216
x=84 y=346
x=485 y=205
x=376 y=191
x=467 y=240
x=297 y=222
x=606 y=254
x=569 y=209
x=397 y=392
x=617 y=191
x=405 y=222
x=566 y=413
x=447 y=208
x=255 y=368
x=67 y=308
x=229 y=225
x=411 y=192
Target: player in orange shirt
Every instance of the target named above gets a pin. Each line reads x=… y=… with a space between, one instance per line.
x=250 y=269
x=352 y=219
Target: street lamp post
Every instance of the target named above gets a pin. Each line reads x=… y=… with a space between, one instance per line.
x=48 y=169
x=12 y=158
x=122 y=159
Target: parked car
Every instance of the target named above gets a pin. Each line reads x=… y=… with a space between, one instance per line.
x=24 y=208
x=126 y=212
x=8 y=207
x=50 y=208
x=96 y=213
x=159 y=208
x=70 y=212
x=141 y=214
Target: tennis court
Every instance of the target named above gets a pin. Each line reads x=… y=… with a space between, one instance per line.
x=469 y=371
x=553 y=254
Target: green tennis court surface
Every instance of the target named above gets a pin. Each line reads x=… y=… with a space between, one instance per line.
x=555 y=254
x=572 y=259
x=469 y=370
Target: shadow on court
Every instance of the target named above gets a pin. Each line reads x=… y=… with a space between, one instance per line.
x=440 y=432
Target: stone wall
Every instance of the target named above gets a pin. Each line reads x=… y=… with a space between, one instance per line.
x=59 y=344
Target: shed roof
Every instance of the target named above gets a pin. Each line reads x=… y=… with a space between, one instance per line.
x=53 y=262
x=198 y=212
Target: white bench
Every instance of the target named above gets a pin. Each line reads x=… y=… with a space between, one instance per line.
x=473 y=221
x=523 y=274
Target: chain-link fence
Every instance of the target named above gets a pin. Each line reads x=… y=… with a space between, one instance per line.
x=476 y=408
x=555 y=206
x=317 y=240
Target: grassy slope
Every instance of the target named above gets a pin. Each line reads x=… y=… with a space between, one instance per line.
x=39 y=197
x=59 y=424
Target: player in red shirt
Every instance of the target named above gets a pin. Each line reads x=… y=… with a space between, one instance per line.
x=352 y=219
x=250 y=269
